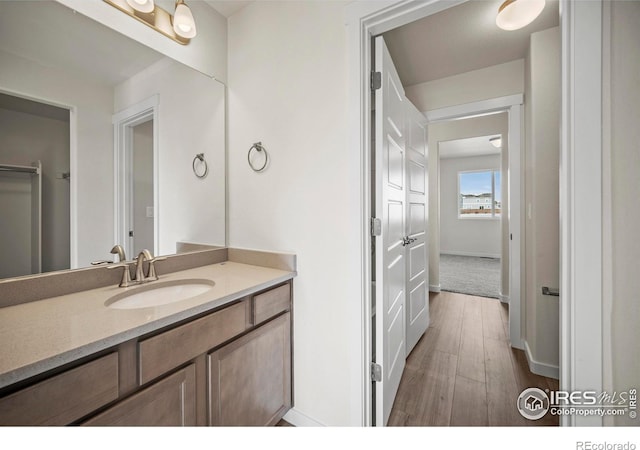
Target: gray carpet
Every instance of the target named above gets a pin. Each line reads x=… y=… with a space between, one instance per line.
x=470 y=275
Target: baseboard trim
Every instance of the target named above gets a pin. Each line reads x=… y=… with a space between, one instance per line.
x=546 y=370
x=434 y=288
x=479 y=255
x=298 y=419
x=503 y=298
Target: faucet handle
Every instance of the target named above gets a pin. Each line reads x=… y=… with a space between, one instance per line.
x=126 y=276
x=152 y=275
x=117 y=249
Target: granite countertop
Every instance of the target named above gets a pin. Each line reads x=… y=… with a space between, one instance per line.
x=41 y=335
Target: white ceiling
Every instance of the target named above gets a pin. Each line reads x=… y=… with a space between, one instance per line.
x=23 y=105
x=55 y=36
x=460 y=148
x=227 y=7
x=460 y=39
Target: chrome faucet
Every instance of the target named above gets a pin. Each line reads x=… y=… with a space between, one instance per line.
x=142 y=256
x=145 y=255
x=117 y=249
x=139 y=277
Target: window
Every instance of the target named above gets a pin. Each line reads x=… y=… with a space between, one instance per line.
x=479 y=194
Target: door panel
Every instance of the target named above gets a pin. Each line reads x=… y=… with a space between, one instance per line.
x=390 y=260
x=417 y=265
x=396 y=163
x=417 y=261
x=417 y=302
x=416 y=177
x=417 y=223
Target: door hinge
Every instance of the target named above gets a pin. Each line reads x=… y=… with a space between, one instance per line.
x=376 y=227
x=376 y=80
x=376 y=372
x=130 y=233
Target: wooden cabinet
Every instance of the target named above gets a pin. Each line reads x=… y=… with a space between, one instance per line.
x=169 y=402
x=64 y=398
x=167 y=350
x=231 y=366
x=250 y=378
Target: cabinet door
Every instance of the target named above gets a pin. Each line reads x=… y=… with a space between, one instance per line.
x=250 y=378
x=169 y=402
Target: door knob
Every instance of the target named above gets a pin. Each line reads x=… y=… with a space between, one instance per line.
x=407 y=240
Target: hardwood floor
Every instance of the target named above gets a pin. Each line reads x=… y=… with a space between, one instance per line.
x=463 y=372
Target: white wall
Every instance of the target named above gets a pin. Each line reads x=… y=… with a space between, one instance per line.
x=92 y=107
x=191 y=121
x=24 y=139
x=624 y=191
x=482 y=84
x=207 y=52
x=542 y=223
x=287 y=88
x=468 y=236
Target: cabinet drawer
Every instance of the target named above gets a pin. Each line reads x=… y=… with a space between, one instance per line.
x=159 y=354
x=169 y=402
x=64 y=398
x=271 y=303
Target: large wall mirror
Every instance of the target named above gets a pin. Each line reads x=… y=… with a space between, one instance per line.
x=71 y=185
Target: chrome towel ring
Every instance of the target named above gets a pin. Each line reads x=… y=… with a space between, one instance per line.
x=258 y=146
x=200 y=173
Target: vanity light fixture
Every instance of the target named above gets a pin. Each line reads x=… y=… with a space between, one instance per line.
x=183 y=23
x=515 y=14
x=143 y=6
x=181 y=27
x=496 y=142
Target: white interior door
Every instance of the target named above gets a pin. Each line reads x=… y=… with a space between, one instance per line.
x=417 y=260
x=390 y=197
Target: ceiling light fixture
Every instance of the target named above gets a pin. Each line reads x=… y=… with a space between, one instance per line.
x=515 y=14
x=496 y=142
x=181 y=27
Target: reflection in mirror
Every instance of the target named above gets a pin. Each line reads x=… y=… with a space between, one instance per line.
x=140 y=197
x=64 y=78
x=34 y=205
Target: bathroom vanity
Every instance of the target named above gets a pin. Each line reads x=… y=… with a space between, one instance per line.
x=222 y=357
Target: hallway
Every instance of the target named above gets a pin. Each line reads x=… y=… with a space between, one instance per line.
x=463 y=372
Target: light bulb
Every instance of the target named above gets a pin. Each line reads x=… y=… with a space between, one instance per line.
x=515 y=14
x=144 y=6
x=183 y=23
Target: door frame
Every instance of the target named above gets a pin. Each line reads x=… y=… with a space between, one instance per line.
x=580 y=324
x=123 y=121
x=513 y=105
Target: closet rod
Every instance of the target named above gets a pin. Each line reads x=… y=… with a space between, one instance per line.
x=25 y=169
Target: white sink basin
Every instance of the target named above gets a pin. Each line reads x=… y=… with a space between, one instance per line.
x=158 y=293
